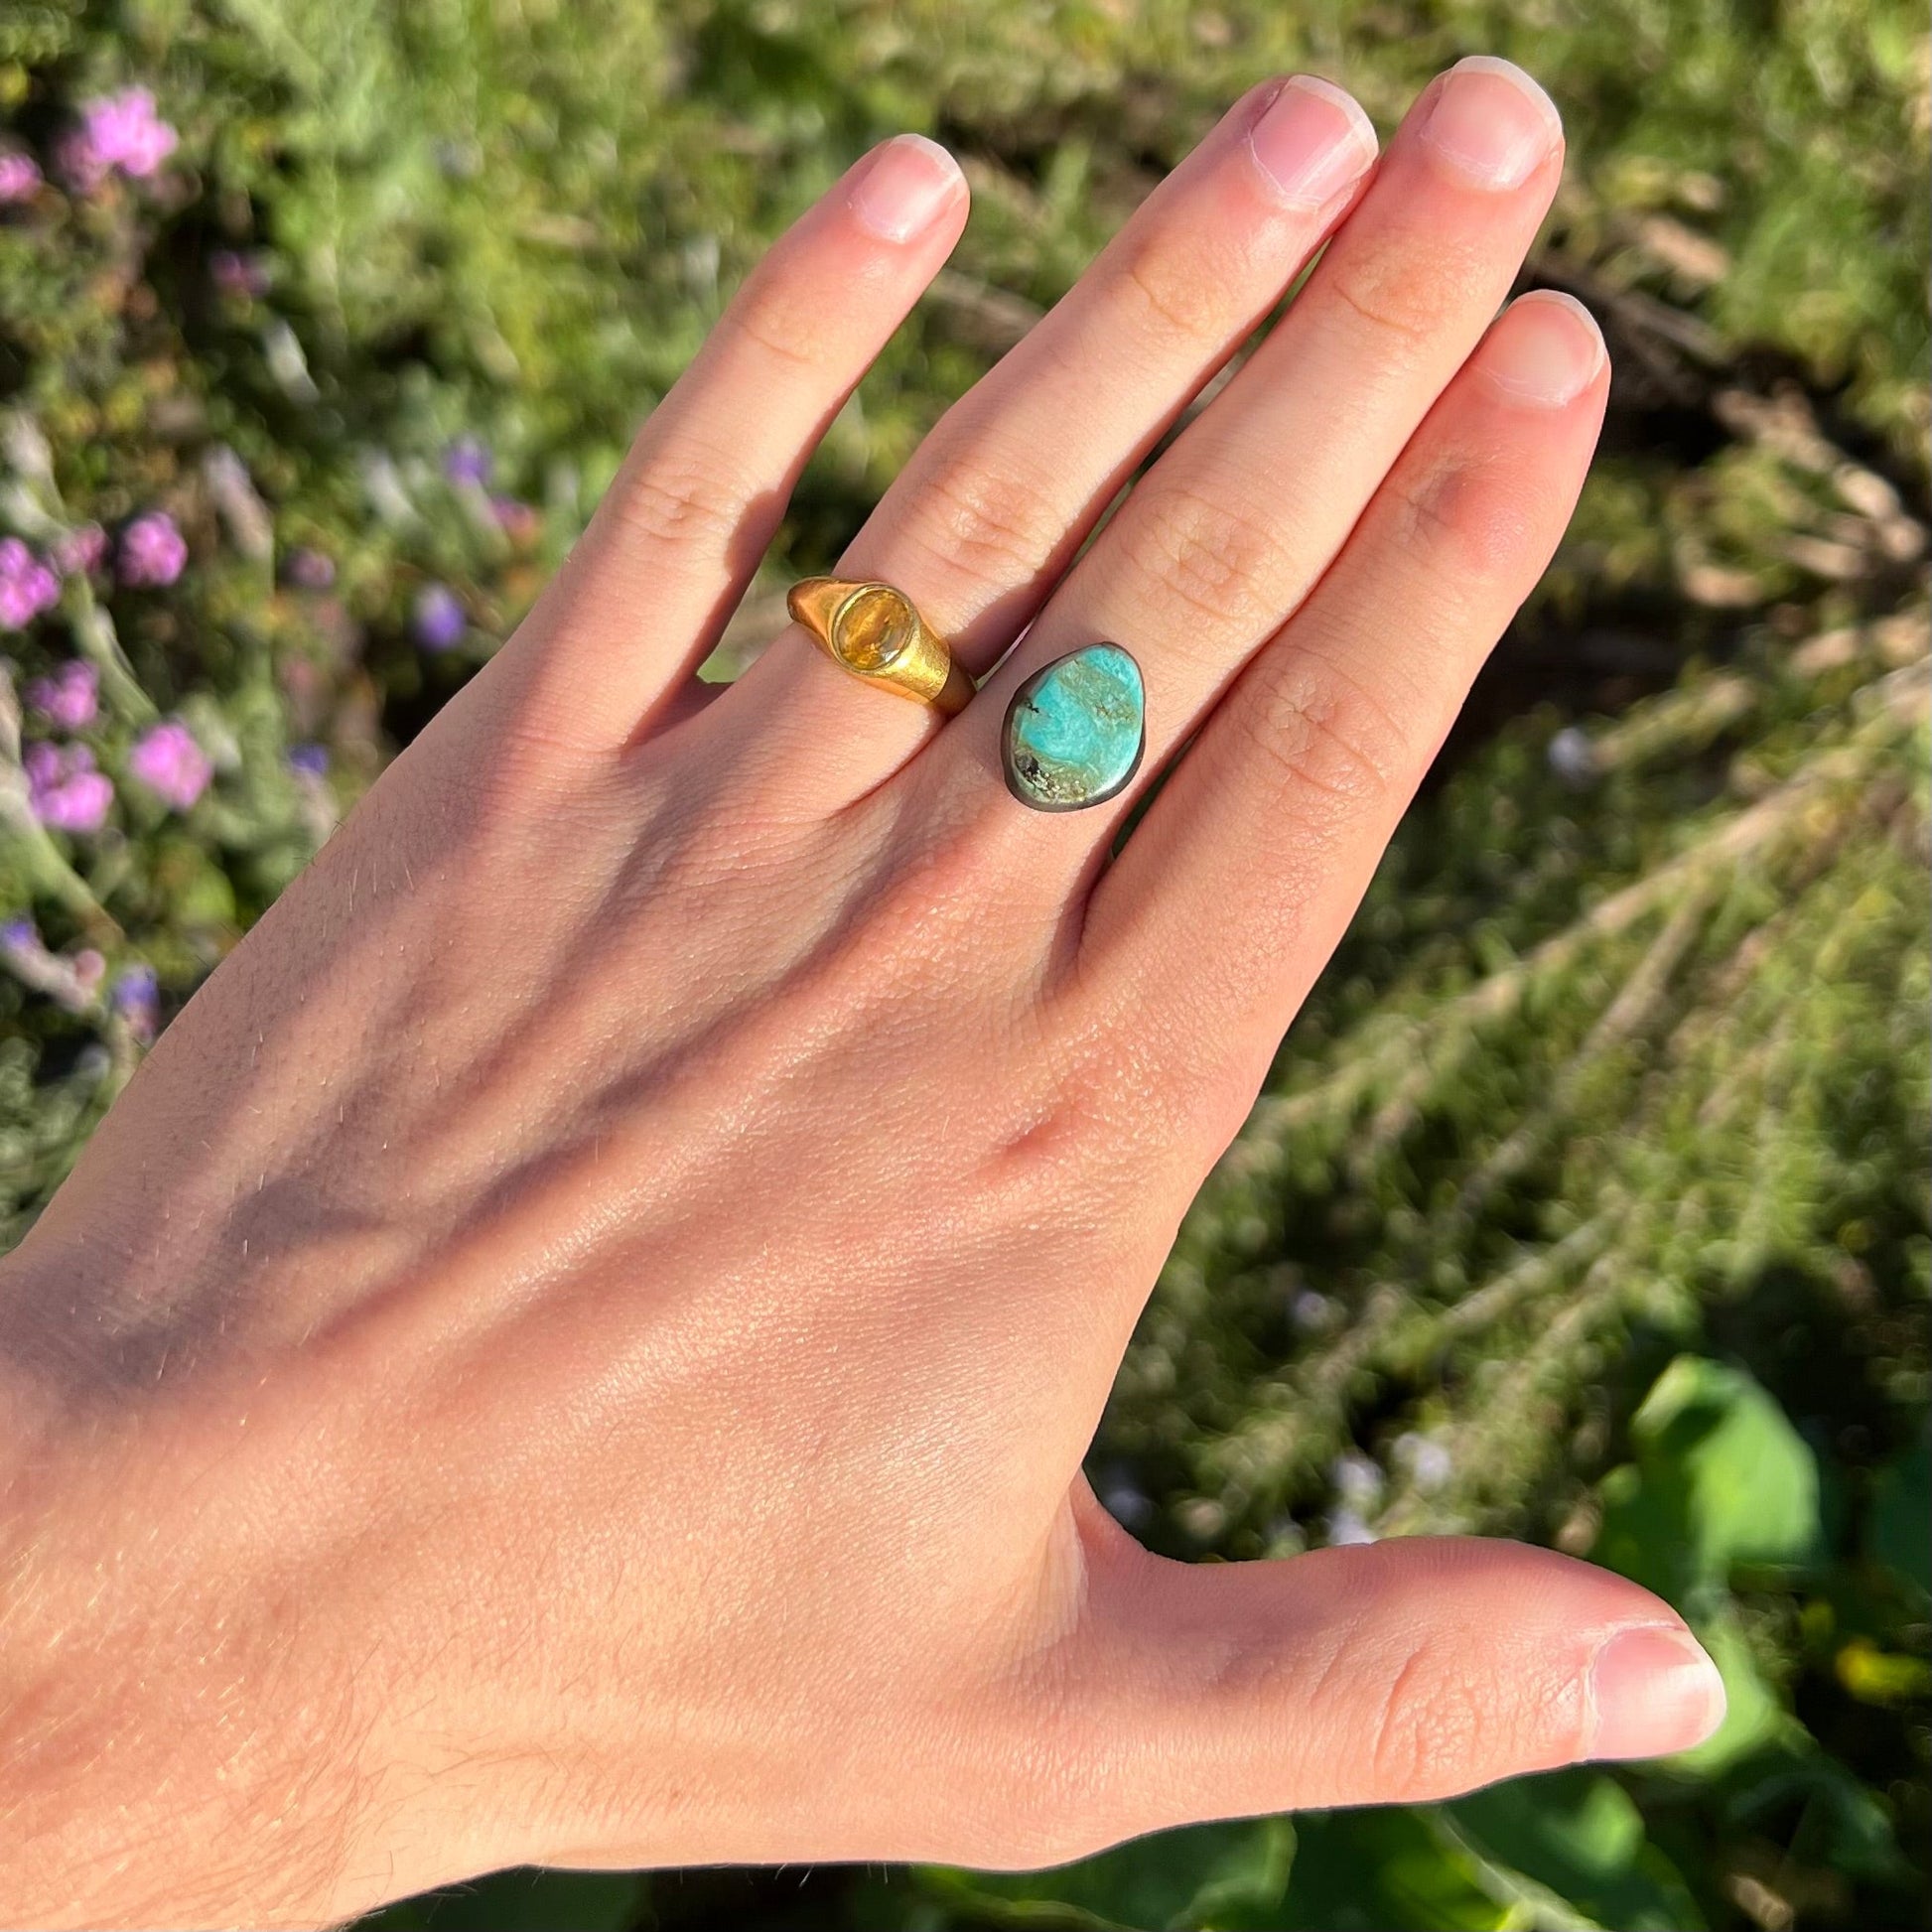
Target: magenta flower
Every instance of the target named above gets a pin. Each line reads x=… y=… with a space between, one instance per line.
x=20 y=177
x=26 y=586
x=80 y=551
x=170 y=763
x=69 y=699
x=117 y=131
x=439 y=620
x=153 y=551
x=63 y=789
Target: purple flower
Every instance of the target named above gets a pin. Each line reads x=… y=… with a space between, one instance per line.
x=153 y=551
x=117 y=131
x=63 y=789
x=137 y=999
x=309 y=761
x=236 y=274
x=468 y=462
x=439 y=620
x=26 y=586
x=167 y=760
x=82 y=550
x=309 y=569
x=69 y=699
x=20 y=177
x=20 y=935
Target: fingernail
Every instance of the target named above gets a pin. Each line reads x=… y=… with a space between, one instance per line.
x=910 y=181
x=1546 y=349
x=1491 y=124
x=1313 y=142
x=1652 y=1691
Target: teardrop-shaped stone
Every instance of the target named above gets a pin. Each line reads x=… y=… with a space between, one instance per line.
x=1076 y=730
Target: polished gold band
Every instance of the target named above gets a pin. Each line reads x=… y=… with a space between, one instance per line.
x=877 y=634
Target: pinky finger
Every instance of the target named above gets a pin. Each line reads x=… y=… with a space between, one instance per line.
x=1251 y=861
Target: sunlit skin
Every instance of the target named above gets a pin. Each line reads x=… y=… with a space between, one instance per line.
x=577 y=1345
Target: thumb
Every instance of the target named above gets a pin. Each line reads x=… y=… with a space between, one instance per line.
x=1394 y=1672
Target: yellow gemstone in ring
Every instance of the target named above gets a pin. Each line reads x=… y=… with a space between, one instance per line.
x=876 y=633
x=873 y=629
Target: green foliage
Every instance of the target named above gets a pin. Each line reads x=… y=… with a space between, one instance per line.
x=523 y=1900
x=1569 y=1854
x=1721 y=1478
x=1574 y=1840
x=1210 y=1875
x=1901 y=1508
x=1721 y=1486
x=1589 y=1200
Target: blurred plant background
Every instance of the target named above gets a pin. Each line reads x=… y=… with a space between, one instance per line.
x=1589 y=1200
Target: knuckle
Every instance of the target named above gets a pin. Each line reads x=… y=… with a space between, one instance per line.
x=1178 y=297
x=778 y=322
x=1200 y=550
x=1327 y=732
x=991 y=524
x=1431 y=1728
x=1206 y=1104
x=678 y=500
x=1399 y=298
x=1467 y=517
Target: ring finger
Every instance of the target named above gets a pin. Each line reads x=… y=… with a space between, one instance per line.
x=1235 y=524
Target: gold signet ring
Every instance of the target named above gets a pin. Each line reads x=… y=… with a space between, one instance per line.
x=874 y=631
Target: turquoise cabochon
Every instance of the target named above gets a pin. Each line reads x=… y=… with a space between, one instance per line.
x=1076 y=730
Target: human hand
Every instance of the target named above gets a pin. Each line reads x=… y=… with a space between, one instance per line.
x=577 y=1345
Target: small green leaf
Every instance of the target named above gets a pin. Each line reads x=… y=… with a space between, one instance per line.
x=1753 y=1479
x=1579 y=1838
x=1720 y=1479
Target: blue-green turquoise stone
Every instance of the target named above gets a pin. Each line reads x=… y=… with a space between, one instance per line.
x=1075 y=731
